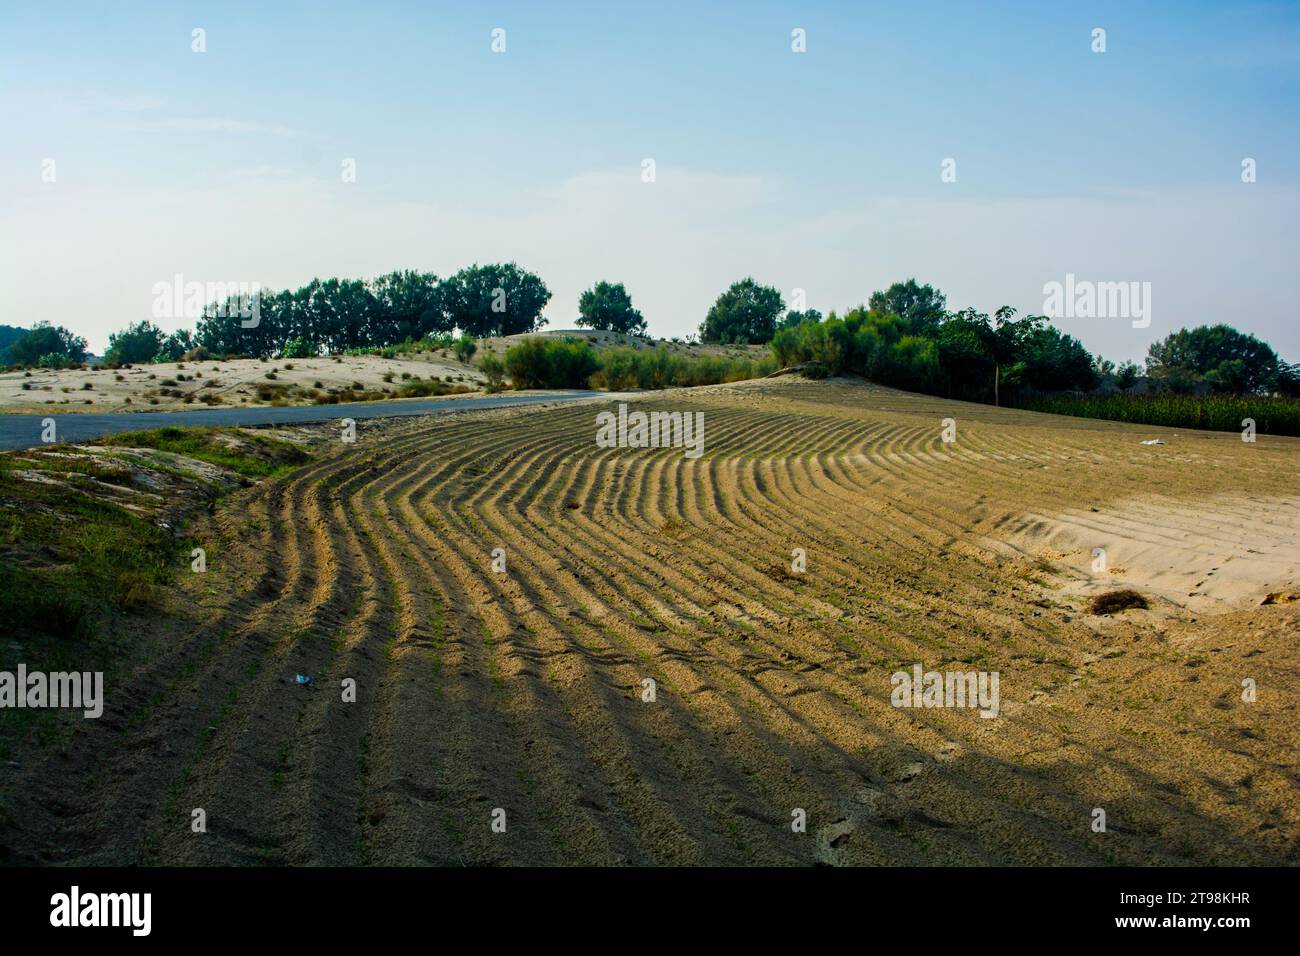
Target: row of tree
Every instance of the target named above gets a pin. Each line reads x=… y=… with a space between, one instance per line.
x=904 y=336
x=335 y=315
x=42 y=345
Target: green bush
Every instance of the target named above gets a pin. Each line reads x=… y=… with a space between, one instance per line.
x=551 y=363
x=429 y=343
x=137 y=343
x=623 y=368
x=465 y=348
x=494 y=370
x=874 y=345
x=426 y=388
x=48 y=346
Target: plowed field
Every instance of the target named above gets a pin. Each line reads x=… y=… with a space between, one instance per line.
x=522 y=689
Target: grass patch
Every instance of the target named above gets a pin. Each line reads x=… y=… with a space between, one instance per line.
x=250 y=455
x=69 y=564
x=66 y=555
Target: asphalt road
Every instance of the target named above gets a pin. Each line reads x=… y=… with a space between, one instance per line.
x=24 y=430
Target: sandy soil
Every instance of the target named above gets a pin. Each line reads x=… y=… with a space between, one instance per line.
x=172 y=385
x=522 y=689
x=1211 y=555
x=295 y=381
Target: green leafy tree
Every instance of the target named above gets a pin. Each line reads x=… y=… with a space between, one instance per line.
x=492 y=300
x=9 y=334
x=607 y=306
x=225 y=329
x=139 y=342
x=407 y=305
x=924 y=306
x=1004 y=340
x=175 y=345
x=1214 y=357
x=1052 y=362
x=746 y=313
x=1007 y=345
x=963 y=358
x=791 y=319
x=1126 y=375
x=1288 y=379
x=48 y=345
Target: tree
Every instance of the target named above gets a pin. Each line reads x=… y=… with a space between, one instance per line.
x=495 y=300
x=746 y=313
x=1126 y=375
x=1009 y=339
x=963 y=358
x=232 y=328
x=1054 y=362
x=176 y=345
x=794 y=318
x=9 y=334
x=139 y=342
x=1004 y=341
x=607 y=307
x=48 y=345
x=1217 y=357
x=1288 y=379
x=923 y=306
x=407 y=305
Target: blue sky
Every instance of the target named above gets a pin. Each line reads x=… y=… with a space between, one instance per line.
x=817 y=171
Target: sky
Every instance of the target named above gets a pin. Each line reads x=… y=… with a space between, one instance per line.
x=128 y=158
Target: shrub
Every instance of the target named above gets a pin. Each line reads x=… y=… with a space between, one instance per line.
x=623 y=367
x=494 y=370
x=299 y=348
x=423 y=388
x=551 y=363
x=465 y=348
x=1114 y=601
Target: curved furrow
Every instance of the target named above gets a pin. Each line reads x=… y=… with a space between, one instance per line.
x=177 y=734
x=233 y=778
x=537 y=579
x=663 y=657
x=555 y=756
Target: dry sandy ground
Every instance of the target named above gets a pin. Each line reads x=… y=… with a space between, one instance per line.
x=173 y=385
x=238 y=382
x=521 y=689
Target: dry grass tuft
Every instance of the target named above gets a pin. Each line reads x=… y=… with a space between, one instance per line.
x=1114 y=601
